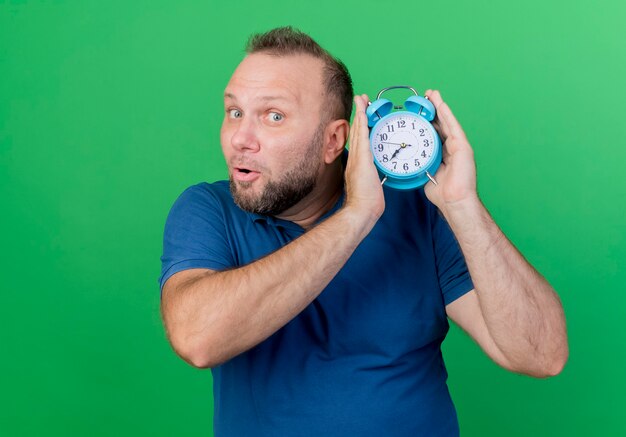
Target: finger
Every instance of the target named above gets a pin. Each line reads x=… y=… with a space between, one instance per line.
x=364 y=131
x=357 y=112
x=438 y=123
x=445 y=115
x=356 y=123
x=435 y=97
x=454 y=127
x=445 y=152
x=360 y=127
x=439 y=129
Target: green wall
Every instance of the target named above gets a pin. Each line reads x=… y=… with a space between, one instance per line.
x=108 y=111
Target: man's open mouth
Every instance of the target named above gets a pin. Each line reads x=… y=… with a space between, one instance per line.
x=245 y=174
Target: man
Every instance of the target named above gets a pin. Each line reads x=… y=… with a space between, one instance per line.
x=320 y=299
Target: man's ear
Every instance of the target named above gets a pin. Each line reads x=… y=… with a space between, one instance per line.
x=335 y=137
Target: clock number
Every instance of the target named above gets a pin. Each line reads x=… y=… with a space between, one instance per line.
x=380 y=147
x=385 y=158
x=413 y=125
x=426 y=143
x=401 y=123
x=390 y=128
x=395 y=164
x=405 y=166
x=421 y=132
x=383 y=137
x=424 y=153
x=417 y=163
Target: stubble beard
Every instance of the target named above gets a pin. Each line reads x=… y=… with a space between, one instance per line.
x=280 y=195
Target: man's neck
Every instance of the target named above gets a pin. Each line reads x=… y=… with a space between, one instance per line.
x=321 y=200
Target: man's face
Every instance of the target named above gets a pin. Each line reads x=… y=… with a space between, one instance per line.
x=272 y=134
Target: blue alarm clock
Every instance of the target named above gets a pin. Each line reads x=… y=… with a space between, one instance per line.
x=405 y=145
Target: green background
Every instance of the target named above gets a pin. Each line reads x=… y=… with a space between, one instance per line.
x=108 y=111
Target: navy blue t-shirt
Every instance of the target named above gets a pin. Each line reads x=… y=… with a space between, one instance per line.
x=364 y=357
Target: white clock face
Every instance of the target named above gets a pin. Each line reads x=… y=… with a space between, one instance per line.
x=403 y=143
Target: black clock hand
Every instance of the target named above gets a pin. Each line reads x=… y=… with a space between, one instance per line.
x=395 y=153
x=402 y=146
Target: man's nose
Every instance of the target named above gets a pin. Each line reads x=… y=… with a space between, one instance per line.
x=245 y=136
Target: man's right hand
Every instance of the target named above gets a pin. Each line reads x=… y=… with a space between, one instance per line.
x=364 y=193
x=212 y=316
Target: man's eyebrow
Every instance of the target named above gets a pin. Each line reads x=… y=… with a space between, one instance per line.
x=262 y=98
x=270 y=98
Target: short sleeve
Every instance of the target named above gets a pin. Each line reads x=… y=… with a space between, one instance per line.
x=195 y=234
x=454 y=278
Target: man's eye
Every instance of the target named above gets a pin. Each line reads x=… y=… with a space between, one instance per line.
x=234 y=113
x=275 y=116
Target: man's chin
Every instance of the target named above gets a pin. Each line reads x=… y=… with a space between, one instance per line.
x=241 y=185
x=244 y=194
x=270 y=198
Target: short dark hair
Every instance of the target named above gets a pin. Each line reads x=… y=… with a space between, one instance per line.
x=284 y=41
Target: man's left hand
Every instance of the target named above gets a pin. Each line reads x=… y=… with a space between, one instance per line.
x=456 y=176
